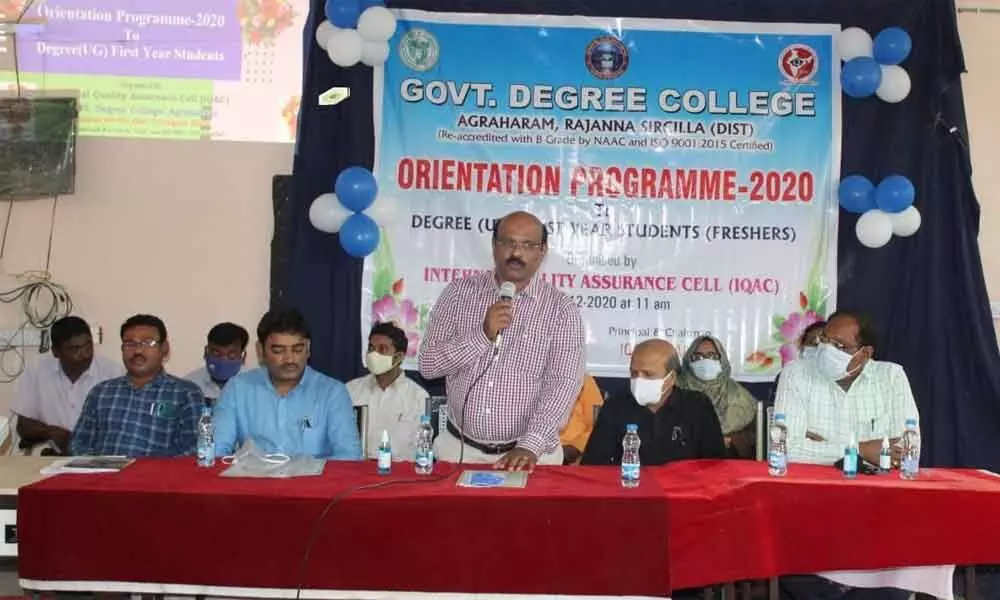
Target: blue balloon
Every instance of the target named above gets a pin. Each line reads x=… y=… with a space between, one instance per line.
x=356 y=188
x=891 y=46
x=895 y=194
x=856 y=194
x=359 y=235
x=860 y=77
x=343 y=13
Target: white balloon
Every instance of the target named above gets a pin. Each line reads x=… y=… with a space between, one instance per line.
x=382 y=211
x=374 y=54
x=874 y=228
x=344 y=47
x=854 y=42
x=327 y=214
x=906 y=223
x=377 y=24
x=323 y=33
x=895 y=84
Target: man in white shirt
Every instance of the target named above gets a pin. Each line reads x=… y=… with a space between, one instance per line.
x=839 y=395
x=225 y=355
x=844 y=394
x=395 y=402
x=51 y=391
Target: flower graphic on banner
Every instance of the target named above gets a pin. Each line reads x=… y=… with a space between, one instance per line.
x=787 y=329
x=263 y=20
x=390 y=303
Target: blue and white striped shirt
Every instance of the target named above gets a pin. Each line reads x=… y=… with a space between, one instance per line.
x=158 y=419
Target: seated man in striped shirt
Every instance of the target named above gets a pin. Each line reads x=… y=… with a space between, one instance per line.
x=844 y=393
x=513 y=366
x=146 y=412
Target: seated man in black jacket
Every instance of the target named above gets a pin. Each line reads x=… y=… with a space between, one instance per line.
x=674 y=424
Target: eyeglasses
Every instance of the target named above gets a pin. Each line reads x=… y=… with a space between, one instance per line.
x=507 y=244
x=705 y=356
x=136 y=345
x=838 y=345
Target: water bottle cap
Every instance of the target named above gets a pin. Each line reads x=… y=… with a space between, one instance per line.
x=632 y=428
x=911 y=422
x=206 y=410
x=779 y=416
x=385 y=436
x=425 y=419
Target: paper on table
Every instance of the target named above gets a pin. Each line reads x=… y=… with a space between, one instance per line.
x=88 y=464
x=493 y=479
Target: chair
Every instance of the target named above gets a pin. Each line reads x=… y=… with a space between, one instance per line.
x=361 y=414
x=7 y=435
x=439 y=417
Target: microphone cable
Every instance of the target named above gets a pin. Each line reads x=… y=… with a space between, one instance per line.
x=314 y=536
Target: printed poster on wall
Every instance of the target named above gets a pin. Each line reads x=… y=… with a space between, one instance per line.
x=686 y=172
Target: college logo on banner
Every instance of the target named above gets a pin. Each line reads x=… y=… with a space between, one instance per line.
x=686 y=173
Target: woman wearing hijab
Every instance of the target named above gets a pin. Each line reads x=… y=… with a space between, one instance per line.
x=706 y=369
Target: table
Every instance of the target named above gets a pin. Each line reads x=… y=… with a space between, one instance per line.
x=15 y=472
x=166 y=522
x=730 y=521
x=165 y=526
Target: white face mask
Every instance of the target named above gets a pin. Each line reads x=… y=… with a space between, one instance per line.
x=809 y=352
x=706 y=369
x=832 y=362
x=648 y=391
x=378 y=363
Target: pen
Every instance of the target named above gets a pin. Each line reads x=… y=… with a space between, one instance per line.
x=873 y=425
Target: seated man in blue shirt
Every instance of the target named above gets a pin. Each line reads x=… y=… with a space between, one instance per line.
x=286 y=407
x=145 y=412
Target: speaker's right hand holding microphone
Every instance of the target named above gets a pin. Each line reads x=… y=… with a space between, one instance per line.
x=498 y=318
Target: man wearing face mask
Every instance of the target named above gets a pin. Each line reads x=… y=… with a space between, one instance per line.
x=395 y=402
x=225 y=354
x=674 y=423
x=706 y=369
x=843 y=393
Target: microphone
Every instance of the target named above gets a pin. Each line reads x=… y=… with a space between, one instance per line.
x=507 y=292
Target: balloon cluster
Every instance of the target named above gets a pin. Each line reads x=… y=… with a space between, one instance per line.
x=343 y=211
x=885 y=210
x=872 y=67
x=356 y=31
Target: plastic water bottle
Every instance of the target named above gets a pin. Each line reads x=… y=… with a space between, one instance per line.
x=777 y=451
x=630 y=457
x=424 y=464
x=851 y=459
x=884 y=457
x=910 y=462
x=206 y=439
x=384 y=455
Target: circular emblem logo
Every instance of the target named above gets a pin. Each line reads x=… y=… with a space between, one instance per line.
x=798 y=63
x=606 y=57
x=419 y=50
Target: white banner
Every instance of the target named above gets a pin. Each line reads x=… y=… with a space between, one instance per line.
x=686 y=172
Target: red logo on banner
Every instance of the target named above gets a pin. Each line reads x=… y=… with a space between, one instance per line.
x=798 y=63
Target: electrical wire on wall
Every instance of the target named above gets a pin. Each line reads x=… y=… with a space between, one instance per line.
x=42 y=302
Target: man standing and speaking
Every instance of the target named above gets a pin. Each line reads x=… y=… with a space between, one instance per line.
x=512 y=349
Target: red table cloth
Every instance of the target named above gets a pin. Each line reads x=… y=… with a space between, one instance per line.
x=571 y=531
x=730 y=521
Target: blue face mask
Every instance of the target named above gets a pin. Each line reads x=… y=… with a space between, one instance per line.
x=223 y=369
